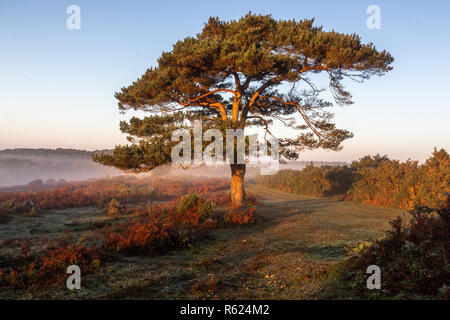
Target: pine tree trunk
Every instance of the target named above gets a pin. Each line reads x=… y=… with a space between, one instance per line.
x=237 y=184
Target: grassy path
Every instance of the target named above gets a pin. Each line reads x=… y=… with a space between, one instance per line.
x=284 y=256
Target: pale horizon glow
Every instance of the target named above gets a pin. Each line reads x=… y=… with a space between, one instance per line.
x=58 y=85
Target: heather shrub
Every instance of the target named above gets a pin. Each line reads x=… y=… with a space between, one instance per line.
x=18 y=206
x=219 y=198
x=114 y=208
x=413 y=260
x=224 y=198
x=242 y=215
x=189 y=202
x=102 y=191
x=205 y=210
x=49 y=267
x=163 y=227
x=313 y=181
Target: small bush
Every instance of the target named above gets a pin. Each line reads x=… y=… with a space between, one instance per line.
x=193 y=202
x=240 y=215
x=48 y=268
x=205 y=210
x=164 y=227
x=189 y=202
x=374 y=180
x=413 y=260
x=114 y=208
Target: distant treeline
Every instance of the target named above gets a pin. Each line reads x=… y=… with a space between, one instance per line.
x=375 y=180
x=42 y=152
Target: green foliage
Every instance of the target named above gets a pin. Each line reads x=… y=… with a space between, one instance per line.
x=193 y=202
x=189 y=202
x=18 y=207
x=20 y=166
x=314 y=181
x=244 y=73
x=49 y=267
x=402 y=185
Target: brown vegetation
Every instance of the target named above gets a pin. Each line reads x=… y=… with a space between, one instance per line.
x=162 y=227
x=374 y=180
x=413 y=260
x=49 y=267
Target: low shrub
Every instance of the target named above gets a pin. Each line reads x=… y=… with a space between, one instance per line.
x=219 y=198
x=102 y=191
x=162 y=227
x=242 y=215
x=413 y=260
x=114 y=208
x=48 y=268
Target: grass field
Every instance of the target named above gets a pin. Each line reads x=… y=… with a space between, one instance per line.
x=283 y=256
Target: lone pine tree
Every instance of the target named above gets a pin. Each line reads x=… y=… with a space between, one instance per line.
x=253 y=72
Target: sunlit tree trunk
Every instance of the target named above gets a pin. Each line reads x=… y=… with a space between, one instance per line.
x=237 y=184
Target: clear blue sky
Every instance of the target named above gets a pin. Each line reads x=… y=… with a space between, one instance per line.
x=57 y=85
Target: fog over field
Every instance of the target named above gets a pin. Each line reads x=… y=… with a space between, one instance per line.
x=22 y=166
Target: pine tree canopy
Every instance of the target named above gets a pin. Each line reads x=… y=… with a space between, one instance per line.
x=253 y=72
